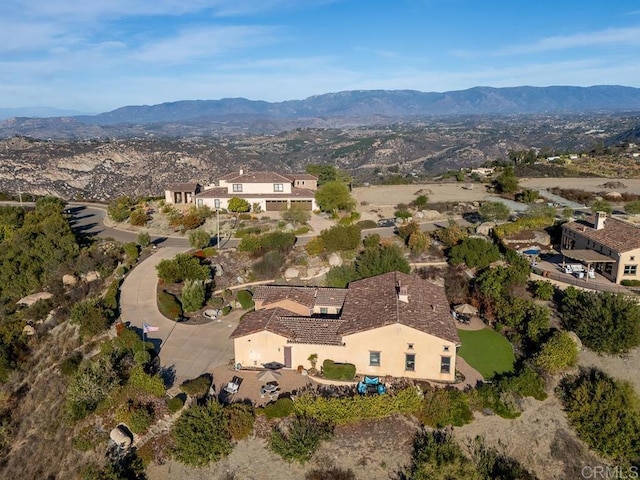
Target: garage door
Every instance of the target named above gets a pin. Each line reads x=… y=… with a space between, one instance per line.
x=276 y=205
x=301 y=204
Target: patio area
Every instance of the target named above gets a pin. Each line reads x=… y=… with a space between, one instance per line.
x=250 y=390
x=550 y=266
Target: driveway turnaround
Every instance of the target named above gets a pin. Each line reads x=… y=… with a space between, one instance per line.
x=190 y=350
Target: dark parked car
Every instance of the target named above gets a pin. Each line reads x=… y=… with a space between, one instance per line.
x=387 y=222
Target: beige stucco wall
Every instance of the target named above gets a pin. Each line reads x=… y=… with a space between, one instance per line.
x=310 y=184
x=391 y=341
x=632 y=257
x=330 y=310
x=287 y=304
x=224 y=202
x=168 y=196
x=249 y=188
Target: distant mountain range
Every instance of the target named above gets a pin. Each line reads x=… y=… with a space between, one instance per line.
x=359 y=107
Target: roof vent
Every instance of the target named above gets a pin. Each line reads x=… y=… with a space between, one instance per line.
x=433 y=307
x=241 y=171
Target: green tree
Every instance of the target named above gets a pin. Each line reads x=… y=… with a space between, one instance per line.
x=529 y=196
x=605 y=413
x=94 y=380
x=507 y=181
x=199 y=239
x=144 y=239
x=139 y=217
x=451 y=235
x=201 y=435
x=375 y=261
x=605 y=322
x=340 y=238
x=91 y=317
x=341 y=276
x=420 y=203
x=328 y=173
x=193 y=295
x=558 y=353
x=238 y=205
x=602 y=206
x=120 y=208
x=182 y=267
x=543 y=289
x=492 y=211
x=131 y=251
x=475 y=252
x=295 y=215
x=334 y=196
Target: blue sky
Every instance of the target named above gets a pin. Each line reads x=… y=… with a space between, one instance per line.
x=97 y=55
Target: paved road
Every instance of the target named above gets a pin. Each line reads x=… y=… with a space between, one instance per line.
x=190 y=349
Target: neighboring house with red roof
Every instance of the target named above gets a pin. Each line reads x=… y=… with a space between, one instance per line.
x=391 y=324
x=270 y=190
x=609 y=245
x=181 y=192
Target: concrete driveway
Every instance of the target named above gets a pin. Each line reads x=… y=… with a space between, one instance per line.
x=189 y=349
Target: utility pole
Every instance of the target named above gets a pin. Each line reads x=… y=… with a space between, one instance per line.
x=218 y=227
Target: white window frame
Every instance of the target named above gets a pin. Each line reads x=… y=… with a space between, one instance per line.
x=278 y=187
x=445 y=364
x=374 y=358
x=236 y=187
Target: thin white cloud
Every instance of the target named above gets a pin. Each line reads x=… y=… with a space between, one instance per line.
x=612 y=36
x=206 y=42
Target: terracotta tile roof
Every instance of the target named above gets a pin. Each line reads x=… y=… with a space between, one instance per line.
x=617 y=235
x=370 y=303
x=321 y=296
x=317 y=331
x=256 y=177
x=182 y=187
x=222 y=192
x=271 y=294
x=373 y=302
x=259 y=320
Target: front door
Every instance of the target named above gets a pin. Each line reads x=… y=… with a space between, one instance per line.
x=287 y=357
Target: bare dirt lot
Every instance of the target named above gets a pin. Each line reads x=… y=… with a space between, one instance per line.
x=588 y=184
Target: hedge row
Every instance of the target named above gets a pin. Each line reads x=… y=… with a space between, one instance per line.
x=353 y=409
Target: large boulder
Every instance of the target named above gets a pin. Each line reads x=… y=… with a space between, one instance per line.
x=291 y=272
x=69 y=280
x=335 y=260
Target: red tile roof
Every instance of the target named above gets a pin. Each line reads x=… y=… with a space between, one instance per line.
x=373 y=302
x=256 y=177
x=182 y=187
x=616 y=235
x=368 y=304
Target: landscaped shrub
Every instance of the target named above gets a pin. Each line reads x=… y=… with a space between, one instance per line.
x=315 y=246
x=137 y=416
x=91 y=317
x=343 y=410
x=558 y=353
x=199 y=238
x=240 y=419
x=526 y=383
x=226 y=310
x=475 y=252
x=281 y=408
x=216 y=302
x=630 y=283
x=139 y=217
x=201 y=435
x=605 y=413
x=338 y=371
x=445 y=406
x=341 y=238
x=176 y=403
x=197 y=387
x=169 y=305
x=182 y=267
x=209 y=252
x=193 y=295
x=366 y=224
x=131 y=251
x=543 y=289
x=246 y=299
x=151 y=384
x=300 y=439
x=269 y=266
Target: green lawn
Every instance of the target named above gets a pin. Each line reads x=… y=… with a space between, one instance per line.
x=487 y=351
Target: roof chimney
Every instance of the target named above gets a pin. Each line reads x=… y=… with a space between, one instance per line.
x=241 y=171
x=601 y=217
x=403 y=293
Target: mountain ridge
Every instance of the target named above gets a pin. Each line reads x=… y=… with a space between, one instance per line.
x=361 y=107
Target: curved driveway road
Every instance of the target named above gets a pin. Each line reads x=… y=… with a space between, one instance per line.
x=190 y=349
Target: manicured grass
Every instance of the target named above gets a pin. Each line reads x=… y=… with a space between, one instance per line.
x=487 y=351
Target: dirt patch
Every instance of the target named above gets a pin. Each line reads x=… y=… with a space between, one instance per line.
x=619 y=367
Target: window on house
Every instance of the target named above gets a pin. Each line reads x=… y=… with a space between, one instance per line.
x=608 y=268
x=324 y=310
x=445 y=364
x=216 y=203
x=278 y=187
x=410 y=362
x=200 y=203
x=237 y=187
x=630 y=269
x=374 y=359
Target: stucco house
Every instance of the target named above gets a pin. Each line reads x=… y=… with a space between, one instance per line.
x=178 y=193
x=270 y=190
x=609 y=245
x=392 y=324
